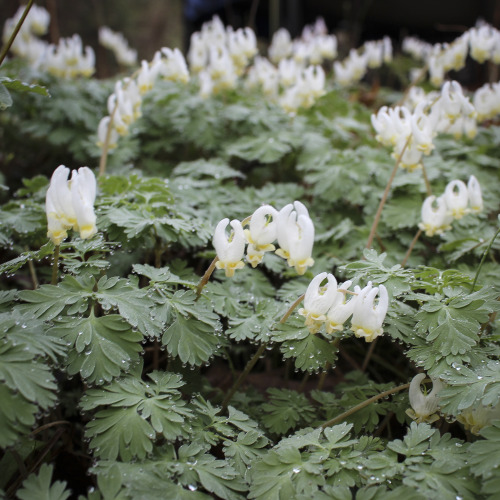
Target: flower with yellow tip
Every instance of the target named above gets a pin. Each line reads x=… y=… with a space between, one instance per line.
x=70 y=204
x=474 y=419
x=229 y=250
x=424 y=406
x=318 y=300
x=295 y=233
x=261 y=234
x=367 y=319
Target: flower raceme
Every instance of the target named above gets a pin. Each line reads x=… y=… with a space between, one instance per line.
x=457 y=200
x=327 y=305
x=293 y=229
x=70 y=203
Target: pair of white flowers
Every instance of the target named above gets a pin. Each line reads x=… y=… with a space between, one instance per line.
x=457 y=200
x=70 y=203
x=291 y=227
x=328 y=305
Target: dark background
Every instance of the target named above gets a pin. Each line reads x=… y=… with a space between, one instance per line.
x=151 y=24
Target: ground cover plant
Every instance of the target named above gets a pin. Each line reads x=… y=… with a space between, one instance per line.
x=248 y=277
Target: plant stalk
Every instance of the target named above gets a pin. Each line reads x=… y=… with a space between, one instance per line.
x=55 y=265
x=483 y=258
x=10 y=41
x=362 y=405
x=410 y=248
x=385 y=195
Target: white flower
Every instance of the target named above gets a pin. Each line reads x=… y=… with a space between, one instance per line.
x=117 y=43
x=174 y=67
x=281 y=45
x=83 y=193
x=367 y=319
x=147 y=76
x=102 y=133
x=229 y=250
x=318 y=300
x=295 y=232
x=424 y=406
x=262 y=233
x=474 y=419
x=340 y=310
x=70 y=204
x=435 y=217
x=457 y=198
x=482 y=41
x=475 y=196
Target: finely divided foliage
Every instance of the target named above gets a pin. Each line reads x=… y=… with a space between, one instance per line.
x=161 y=366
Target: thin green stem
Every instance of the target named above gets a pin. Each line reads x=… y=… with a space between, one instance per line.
x=362 y=405
x=243 y=376
x=368 y=355
x=206 y=277
x=483 y=258
x=55 y=265
x=410 y=248
x=385 y=195
x=255 y=358
x=426 y=180
x=10 y=41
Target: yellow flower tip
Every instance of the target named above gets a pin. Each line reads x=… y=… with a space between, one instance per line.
x=368 y=335
x=229 y=267
x=420 y=419
x=254 y=259
x=57 y=237
x=88 y=231
x=334 y=327
x=282 y=253
x=302 y=265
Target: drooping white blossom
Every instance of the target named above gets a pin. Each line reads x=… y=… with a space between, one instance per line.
x=318 y=300
x=230 y=249
x=367 y=318
x=262 y=234
x=424 y=406
x=70 y=203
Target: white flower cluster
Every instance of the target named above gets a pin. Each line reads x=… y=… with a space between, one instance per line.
x=486 y=101
x=482 y=43
x=124 y=104
x=220 y=55
x=371 y=55
x=457 y=200
x=411 y=131
x=314 y=47
x=291 y=227
x=68 y=59
x=70 y=203
x=424 y=407
x=117 y=43
x=475 y=419
x=327 y=305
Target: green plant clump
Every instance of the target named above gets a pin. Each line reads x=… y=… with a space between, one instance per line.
x=130 y=371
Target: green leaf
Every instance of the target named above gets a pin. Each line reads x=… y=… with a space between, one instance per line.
x=134 y=304
x=5 y=97
x=17 y=416
x=247 y=447
x=48 y=301
x=467 y=387
x=40 y=486
x=138 y=412
x=193 y=341
x=19 y=86
x=484 y=454
x=101 y=348
x=285 y=410
x=21 y=372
